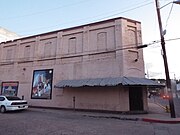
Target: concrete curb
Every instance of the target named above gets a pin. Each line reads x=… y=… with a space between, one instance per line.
x=151 y=120
x=166 y=121
x=114 y=117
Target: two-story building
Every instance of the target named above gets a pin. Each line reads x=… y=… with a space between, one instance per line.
x=93 y=67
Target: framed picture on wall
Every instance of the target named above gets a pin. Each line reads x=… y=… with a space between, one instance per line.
x=42 y=84
x=9 y=88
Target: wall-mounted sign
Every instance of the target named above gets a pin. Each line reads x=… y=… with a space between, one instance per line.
x=9 y=88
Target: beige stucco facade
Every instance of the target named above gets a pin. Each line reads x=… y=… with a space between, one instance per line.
x=97 y=50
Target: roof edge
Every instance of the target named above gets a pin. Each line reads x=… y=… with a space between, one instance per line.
x=73 y=27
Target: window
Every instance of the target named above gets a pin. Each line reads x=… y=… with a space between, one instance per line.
x=2 y=98
x=12 y=98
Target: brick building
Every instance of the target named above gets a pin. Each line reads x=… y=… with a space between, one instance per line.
x=95 y=67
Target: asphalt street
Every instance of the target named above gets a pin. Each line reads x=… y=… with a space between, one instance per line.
x=36 y=121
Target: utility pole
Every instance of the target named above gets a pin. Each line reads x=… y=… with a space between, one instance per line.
x=168 y=81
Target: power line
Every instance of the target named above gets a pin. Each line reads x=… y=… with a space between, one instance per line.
x=172 y=39
x=158 y=41
x=128 y=10
x=44 y=11
x=98 y=16
x=169 y=16
x=141 y=46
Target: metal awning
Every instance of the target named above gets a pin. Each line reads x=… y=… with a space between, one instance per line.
x=125 y=81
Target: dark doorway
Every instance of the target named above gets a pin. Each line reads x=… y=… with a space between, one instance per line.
x=136 y=99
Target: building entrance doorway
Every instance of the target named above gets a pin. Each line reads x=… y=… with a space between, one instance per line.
x=136 y=99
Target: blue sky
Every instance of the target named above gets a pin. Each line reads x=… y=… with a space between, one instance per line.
x=30 y=17
x=37 y=16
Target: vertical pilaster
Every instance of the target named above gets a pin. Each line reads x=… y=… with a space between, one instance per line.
x=119 y=44
x=85 y=42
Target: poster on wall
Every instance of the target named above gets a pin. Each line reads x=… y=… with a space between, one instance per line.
x=9 y=88
x=42 y=84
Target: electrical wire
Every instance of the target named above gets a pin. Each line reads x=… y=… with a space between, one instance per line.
x=44 y=11
x=169 y=15
x=159 y=41
x=172 y=39
x=97 y=16
x=128 y=10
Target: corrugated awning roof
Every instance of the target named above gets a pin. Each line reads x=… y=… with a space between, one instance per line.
x=125 y=81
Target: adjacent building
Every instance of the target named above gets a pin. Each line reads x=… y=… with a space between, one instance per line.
x=6 y=35
x=91 y=67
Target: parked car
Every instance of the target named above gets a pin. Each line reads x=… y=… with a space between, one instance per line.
x=12 y=103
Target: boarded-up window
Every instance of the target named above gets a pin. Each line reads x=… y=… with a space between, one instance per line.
x=133 y=56
x=27 y=51
x=47 y=49
x=72 y=45
x=101 y=40
x=9 y=54
x=132 y=36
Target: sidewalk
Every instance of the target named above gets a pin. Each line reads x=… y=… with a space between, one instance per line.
x=156 y=114
x=159 y=115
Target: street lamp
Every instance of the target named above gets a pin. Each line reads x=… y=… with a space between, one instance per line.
x=168 y=81
x=176 y=2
